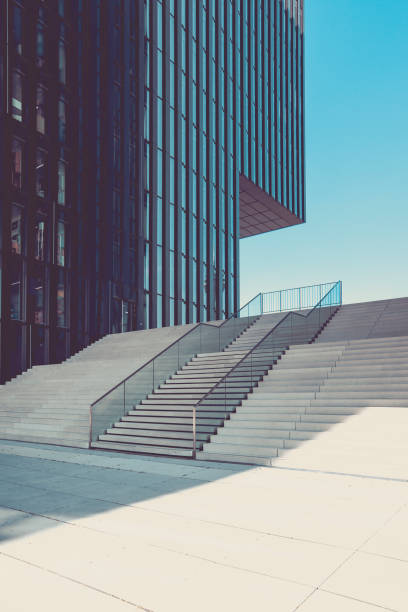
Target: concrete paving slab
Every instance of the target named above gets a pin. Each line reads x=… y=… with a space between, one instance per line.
x=45 y=591
x=374 y=579
x=392 y=539
x=165 y=535
x=372 y=442
x=322 y=601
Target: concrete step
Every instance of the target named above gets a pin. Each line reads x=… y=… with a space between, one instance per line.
x=201 y=388
x=60 y=438
x=264 y=418
x=361 y=387
x=259 y=394
x=141 y=436
x=360 y=403
x=204 y=412
x=177 y=395
x=178 y=403
x=248 y=451
x=329 y=407
x=177 y=420
x=147 y=441
x=255 y=436
x=247 y=441
x=234 y=458
x=165 y=427
x=375 y=394
x=143 y=449
x=42 y=415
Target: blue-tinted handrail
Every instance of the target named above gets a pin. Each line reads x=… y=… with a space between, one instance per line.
x=295 y=298
x=337 y=285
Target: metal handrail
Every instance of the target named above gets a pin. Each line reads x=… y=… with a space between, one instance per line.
x=297 y=297
x=251 y=351
x=201 y=324
x=166 y=349
x=247 y=304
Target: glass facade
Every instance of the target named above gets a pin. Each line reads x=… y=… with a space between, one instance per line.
x=223 y=99
x=121 y=182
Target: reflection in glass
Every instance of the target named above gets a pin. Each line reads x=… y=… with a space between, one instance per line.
x=62 y=63
x=61 y=299
x=39 y=237
x=16 y=290
x=41 y=173
x=62 y=119
x=40 y=109
x=17 y=229
x=37 y=345
x=159 y=310
x=40 y=45
x=61 y=243
x=61 y=182
x=17 y=96
x=37 y=297
x=17 y=164
x=18 y=29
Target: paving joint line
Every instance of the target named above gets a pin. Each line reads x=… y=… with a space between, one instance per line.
x=83 y=584
x=354 y=552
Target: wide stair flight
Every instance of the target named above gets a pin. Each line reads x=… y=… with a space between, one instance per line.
x=162 y=422
x=360 y=359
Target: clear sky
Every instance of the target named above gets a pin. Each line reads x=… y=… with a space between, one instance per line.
x=356 y=230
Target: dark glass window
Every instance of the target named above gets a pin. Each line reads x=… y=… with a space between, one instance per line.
x=159 y=299
x=61 y=8
x=62 y=119
x=17 y=229
x=40 y=45
x=41 y=173
x=61 y=182
x=62 y=62
x=17 y=149
x=146 y=267
x=39 y=237
x=17 y=84
x=37 y=298
x=16 y=290
x=40 y=109
x=61 y=238
x=61 y=299
x=18 y=29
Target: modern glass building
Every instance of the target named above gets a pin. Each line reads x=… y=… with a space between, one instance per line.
x=140 y=140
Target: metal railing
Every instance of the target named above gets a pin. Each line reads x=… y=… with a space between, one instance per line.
x=299 y=298
x=292 y=328
x=203 y=338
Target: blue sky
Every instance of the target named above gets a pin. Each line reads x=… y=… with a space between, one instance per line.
x=356 y=159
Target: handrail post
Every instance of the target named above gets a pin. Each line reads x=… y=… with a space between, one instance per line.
x=90 y=426
x=194 y=431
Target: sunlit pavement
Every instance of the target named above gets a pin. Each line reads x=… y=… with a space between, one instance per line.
x=82 y=530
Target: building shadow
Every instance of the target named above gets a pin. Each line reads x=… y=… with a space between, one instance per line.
x=42 y=493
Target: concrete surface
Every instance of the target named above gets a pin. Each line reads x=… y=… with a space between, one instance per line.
x=82 y=530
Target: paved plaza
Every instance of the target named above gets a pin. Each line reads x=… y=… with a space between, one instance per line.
x=83 y=530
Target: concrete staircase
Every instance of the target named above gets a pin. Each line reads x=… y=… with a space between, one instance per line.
x=50 y=403
x=379 y=319
x=316 y=386
x=162 y=423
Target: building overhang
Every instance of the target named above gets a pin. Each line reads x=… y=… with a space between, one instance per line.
x=259 y=212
